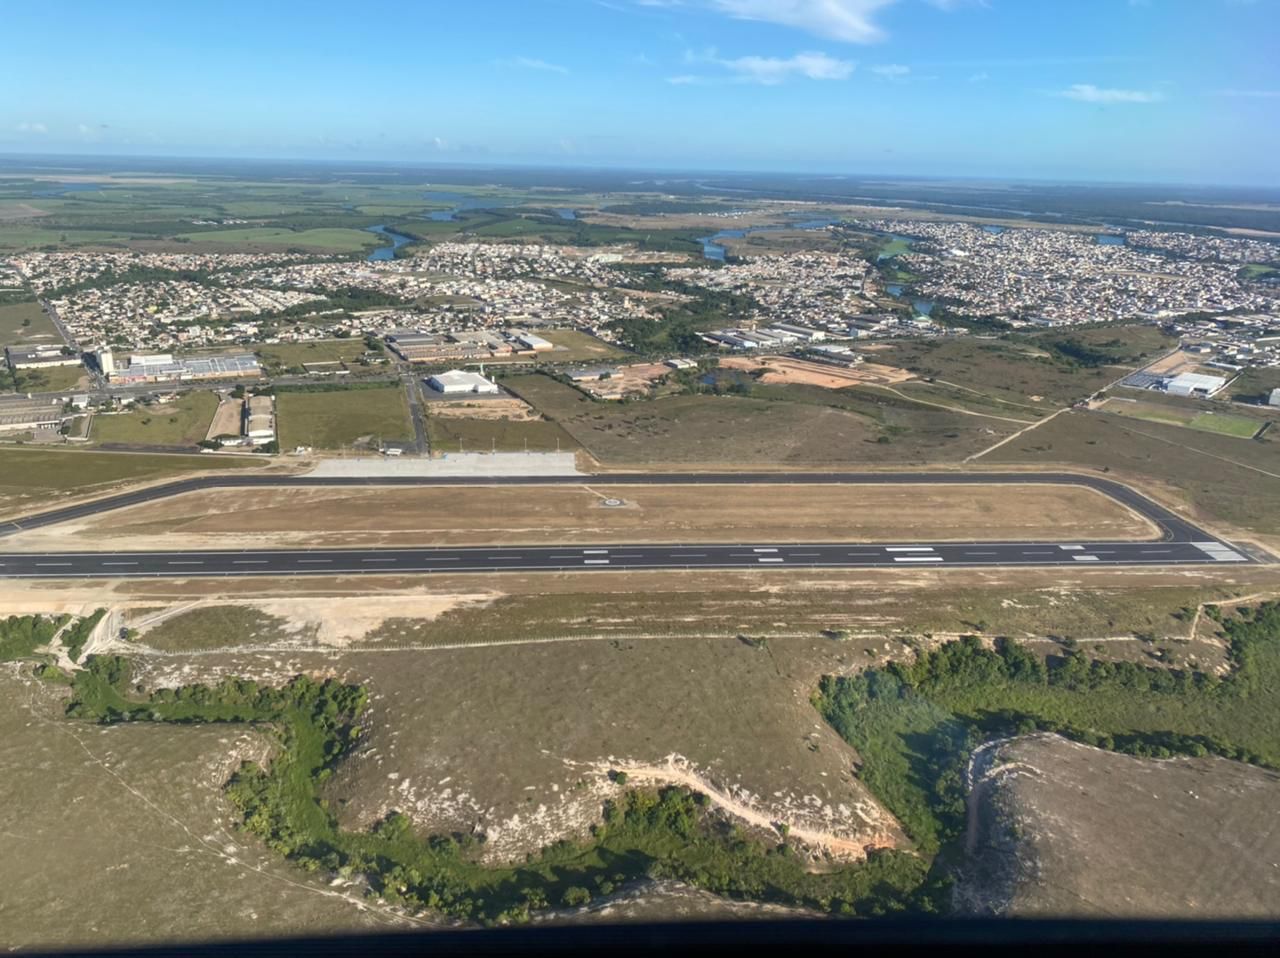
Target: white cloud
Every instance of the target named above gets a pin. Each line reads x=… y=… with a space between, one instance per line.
x=532 y=63
x=1088 y=93
x=850 y=21
x=980 y=77
x=771 y=71
x=25 y=127
x=891 y=71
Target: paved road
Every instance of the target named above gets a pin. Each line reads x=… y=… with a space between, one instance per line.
x=1180 y=542
x=566 y=558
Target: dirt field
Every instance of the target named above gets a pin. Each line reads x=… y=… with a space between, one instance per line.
x=1060 y=828
x=554 y=514
x=226 y=419
x=636 y=378
x=783 y=371
x=515 y=410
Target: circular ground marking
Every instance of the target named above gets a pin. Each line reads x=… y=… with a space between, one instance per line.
x=613 y=503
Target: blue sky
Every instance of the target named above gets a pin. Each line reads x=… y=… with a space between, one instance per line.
x=1168 y=90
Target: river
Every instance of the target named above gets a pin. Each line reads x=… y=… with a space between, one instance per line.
x=387 y=252
x=714 y=249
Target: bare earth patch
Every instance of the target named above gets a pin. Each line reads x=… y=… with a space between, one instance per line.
x=783 y=371
x=1060 y=828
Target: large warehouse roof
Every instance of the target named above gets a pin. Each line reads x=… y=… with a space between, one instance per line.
x=457 y=380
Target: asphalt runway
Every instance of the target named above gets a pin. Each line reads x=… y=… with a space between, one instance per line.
x=1180 y=543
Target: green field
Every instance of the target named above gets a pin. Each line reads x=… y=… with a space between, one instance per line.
x=1223 y=423
x=1258 y=270
x=327 y=240
x=290 y=357
x=894 y=246
x=25 y=322
x=51 y=379
x=31 y=477
x=28 y=236
x=338 y=418
x=182 y=422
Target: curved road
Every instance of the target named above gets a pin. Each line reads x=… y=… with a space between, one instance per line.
x=1180 y=543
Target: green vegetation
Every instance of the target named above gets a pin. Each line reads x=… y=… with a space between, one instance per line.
x=736 y=420
x=20 y=635
x=1258 y=271
x=31 y=475
x=1223 y=423
x=290 y=358
x=182 y=422
x=679 y=327
x=1107 y=344
x=49 y=379
x=915 y=724
x=324 y=240
x=1010 y=368
x=664 y=834
x=336 y=418
x=894 y=246
x=25 y=321
x=1254 y=385
x=77 y=635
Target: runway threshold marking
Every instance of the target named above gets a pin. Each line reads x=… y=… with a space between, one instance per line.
x=917 y=558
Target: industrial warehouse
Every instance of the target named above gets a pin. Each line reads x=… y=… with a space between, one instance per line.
x=39 y=357
x=457 y=382
x=162 y=367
